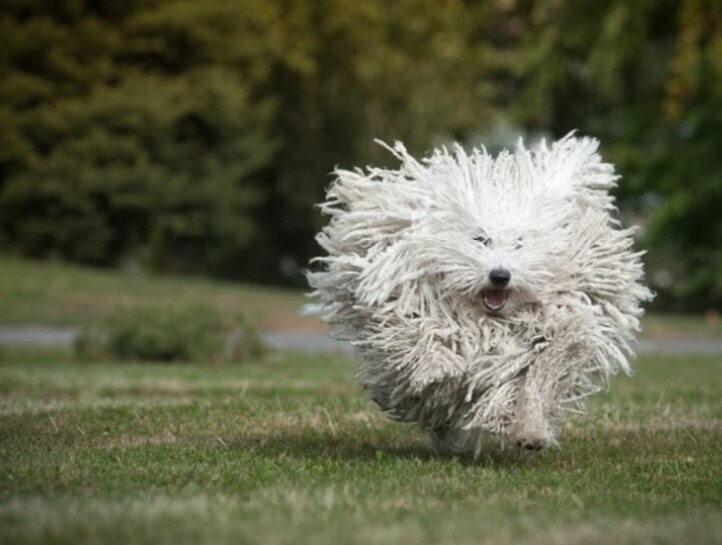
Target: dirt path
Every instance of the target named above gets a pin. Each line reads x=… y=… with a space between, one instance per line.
x=320 y=342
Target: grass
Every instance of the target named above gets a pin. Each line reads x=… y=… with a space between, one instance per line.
x=33 y=293
x=289 y=451
x=682 y=326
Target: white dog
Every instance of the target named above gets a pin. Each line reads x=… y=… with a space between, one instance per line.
x=488 y=296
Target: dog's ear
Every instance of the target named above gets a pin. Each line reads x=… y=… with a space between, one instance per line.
x=370 y=209
x=573 y=169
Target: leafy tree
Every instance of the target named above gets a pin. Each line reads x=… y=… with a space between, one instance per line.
x=108 y=160
x=686 y=170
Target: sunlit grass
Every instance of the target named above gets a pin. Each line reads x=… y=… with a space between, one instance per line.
x=289 y=451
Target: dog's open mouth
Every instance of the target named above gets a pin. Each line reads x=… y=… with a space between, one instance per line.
x=494 y=298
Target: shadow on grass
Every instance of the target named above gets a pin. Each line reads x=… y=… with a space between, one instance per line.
x=376 y=449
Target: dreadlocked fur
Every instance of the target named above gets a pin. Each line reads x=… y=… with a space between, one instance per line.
x=410 y=280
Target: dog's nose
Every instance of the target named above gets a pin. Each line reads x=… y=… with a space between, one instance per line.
x=500 y=277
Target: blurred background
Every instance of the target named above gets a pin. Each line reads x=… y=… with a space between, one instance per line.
x=193 y=138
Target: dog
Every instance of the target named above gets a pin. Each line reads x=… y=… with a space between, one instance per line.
x=488 y=296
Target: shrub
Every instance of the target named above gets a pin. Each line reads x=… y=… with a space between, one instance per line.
x=170 y=334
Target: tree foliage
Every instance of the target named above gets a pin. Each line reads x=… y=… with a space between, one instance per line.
x=686 y=171
x=196 y=136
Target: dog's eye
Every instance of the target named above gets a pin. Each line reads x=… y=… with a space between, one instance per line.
x=486 y=241
x=519 y=244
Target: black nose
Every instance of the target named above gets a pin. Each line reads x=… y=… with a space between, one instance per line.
x=500 y=277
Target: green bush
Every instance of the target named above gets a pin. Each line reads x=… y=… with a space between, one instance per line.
x=170 y=334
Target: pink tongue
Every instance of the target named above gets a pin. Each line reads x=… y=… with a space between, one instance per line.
x=495 y=298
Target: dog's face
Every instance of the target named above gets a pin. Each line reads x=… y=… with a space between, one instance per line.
x=505 y=267
x=501 y=248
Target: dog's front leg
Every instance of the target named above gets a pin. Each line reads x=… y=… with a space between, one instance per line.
x=538 y=397
x=530 y=430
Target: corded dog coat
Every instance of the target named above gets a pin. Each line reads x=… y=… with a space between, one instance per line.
x=487 y=296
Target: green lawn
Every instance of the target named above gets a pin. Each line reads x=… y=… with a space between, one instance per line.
x=288 y=451
x=60 y=294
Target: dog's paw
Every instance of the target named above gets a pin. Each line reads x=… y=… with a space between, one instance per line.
x=532 y=445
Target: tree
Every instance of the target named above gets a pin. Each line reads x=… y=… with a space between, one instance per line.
x=686 y=171
x=108 y=160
